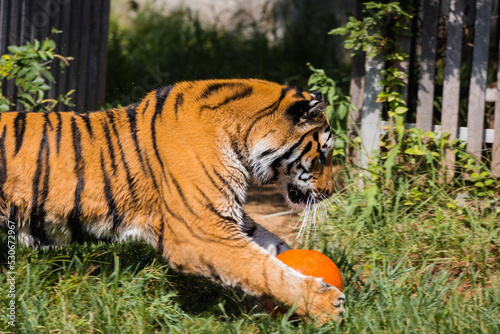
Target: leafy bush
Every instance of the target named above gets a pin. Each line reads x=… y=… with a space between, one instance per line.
x=409 y=156
x=337 y=110
x=159 y=48
x=29 y=67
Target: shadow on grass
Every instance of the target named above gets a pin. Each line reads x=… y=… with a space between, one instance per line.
x=195 y=295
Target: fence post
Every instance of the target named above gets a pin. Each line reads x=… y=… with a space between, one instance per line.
x=451 y=85
x=495 y=154
x=427 y=65
x=477 y=91
x=370 y=117
x=356 y=91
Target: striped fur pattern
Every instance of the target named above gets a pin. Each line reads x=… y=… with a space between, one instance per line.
x=173 y=170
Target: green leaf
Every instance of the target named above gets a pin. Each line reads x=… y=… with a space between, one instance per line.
x=329 y=111
x=38 y=81
x=31 y=75
x=342 y=111
x=42 y=55
x=27 y=97
x=25 y=85
x=401 y=110
x=485 y=174
x=14 y=49
x=48 y=44
x=331 y=94
x=489 y=182
x=414 y=151
x=339 y=144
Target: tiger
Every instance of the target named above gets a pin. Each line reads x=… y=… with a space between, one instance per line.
x=172 y=170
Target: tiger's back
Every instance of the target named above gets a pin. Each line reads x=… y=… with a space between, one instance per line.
x=172 y=170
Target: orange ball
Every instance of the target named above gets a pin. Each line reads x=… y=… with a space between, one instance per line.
x=313 y=263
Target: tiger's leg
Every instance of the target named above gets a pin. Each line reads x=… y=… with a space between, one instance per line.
x=231 y=258
x=264 y=238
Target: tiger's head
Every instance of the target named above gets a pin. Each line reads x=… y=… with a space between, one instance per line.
x=295 y=149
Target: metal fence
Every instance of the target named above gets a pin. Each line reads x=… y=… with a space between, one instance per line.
x=84 y=25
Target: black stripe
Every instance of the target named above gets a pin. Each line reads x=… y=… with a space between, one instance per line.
x=150 y=169
x=213 y=272
x=278 y=161
x=315 y=136
x=299 y=158
x=45 y=189
x=179 y=190
x=207 y=199
x=111 y=149
x=225 y=219
x=58 y=131
x=159 y=105
x=298 y=92
x=47 y=120
x=130 y=179
x=236 y=144
x=74 y=220
x=86 y=121
x=266 y=111
x=3 y=161
x=116 y=218
x=304 y=152
x=145 y=107
x=215 y=184
x=227 y=185
x=267 y=152
x=179 y=100
x=131 y=114
x=203 y=236
x=19 y=129
x=13 y=213
x=217 y=86
x=247 y=91
x=161 y=97
x=37 y=216
x=161 y=236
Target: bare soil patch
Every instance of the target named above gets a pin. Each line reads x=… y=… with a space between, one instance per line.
x=266 y=205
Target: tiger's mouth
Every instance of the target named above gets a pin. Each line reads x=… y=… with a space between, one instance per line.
x=297 y=198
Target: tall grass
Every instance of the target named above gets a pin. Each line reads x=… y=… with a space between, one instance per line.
x=425 y=267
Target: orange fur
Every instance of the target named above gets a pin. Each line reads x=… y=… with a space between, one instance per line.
x=173 y=170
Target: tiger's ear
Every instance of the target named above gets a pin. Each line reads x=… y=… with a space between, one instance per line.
x=317 y=96
x=316 y=107
x=305 y=110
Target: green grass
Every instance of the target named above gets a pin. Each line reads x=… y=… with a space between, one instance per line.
x=426 y=266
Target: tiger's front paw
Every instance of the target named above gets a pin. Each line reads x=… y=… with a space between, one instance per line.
x=325 y=303
x=332 y=299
